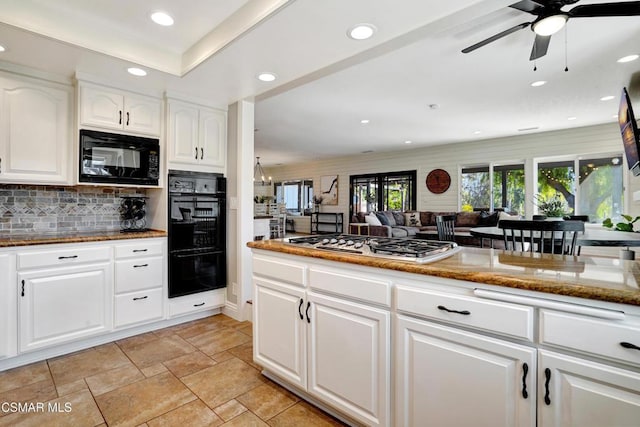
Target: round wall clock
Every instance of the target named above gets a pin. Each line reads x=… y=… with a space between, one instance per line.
x=438 y=181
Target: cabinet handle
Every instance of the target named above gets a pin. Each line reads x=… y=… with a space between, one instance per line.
x=525 y=371
x=201 y=153
x=629 y=345
x=140 y=250
x=198 y=305
x=22 y=294
x=139 y=298
x=547 y=375
x=196 y=153
x=307 y=312
x=443 y=308
x=0 y=164
x=127 y=118
x=68 y=257
x=141 y=265
x=300 y=309
x=120 y=119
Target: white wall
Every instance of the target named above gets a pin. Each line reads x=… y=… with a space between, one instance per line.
x=600 y=139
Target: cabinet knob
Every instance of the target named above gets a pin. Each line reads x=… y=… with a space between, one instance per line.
x=120 y=118
x=629 y=346
x=463 y=312
x=201 y=153
x=547 y=375
x=139 y=298
x=196 y=153
x=525 y=371
x=300 y=309
x=127 y=118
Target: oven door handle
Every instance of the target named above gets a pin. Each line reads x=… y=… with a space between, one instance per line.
x=198 y=254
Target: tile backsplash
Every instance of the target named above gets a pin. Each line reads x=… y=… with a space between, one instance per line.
x=28 y=209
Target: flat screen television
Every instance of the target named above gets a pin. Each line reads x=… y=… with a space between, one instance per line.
x=629 y=131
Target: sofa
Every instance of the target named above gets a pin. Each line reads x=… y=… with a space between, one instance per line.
x=407 y=224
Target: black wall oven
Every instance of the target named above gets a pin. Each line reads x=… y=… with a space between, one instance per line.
x=197 y=233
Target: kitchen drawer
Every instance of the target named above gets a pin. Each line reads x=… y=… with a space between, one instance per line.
x=63 y=257
x=136 y=307
x=496 y=317
x=589 y=335
x=140 y=248
x=279 y=269
x=140 y=273
x=357 y=287
x=196 y=302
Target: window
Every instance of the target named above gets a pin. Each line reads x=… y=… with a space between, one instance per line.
x=492 y=186
x=296 y=195
x=383 y=191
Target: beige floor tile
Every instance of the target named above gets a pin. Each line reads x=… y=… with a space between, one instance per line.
x=303 y=414
x=69 y=388
x=76 y=409
x=137 y=340
x=267 y=401
x=223 y=382
x=245 y=352
x=189 y=363
x=222 y=356
x=199 y=328
x=230 y=410
x=37 y=392
x=83 y=364
x=158 y=350
x=144 y=400
x=152 y=370
x=113 y=379
x=193 y=414
x=247 y=419
x=24 y=375
x=247 y=330
x=220 y=340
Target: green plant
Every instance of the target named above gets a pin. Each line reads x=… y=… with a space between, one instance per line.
x=553 y=206
x=621 y=226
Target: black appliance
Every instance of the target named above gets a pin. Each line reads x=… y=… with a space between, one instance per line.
x=197 y=232
x=111 y=158
x=629 y=131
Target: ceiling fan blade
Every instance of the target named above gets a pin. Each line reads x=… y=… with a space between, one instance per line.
x=528 y=6
x=540 y=46
x=629 y=8
x=496 y=37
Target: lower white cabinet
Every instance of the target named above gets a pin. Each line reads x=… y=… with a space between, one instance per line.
x=336 y=350
x=8 y=321
x=63 y=304
x=450 y=377
x=197 y=302
x=138 y=307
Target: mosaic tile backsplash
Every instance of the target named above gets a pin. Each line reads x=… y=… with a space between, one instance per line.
x=26 y=209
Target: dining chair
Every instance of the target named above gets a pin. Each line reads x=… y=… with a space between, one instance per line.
x=556 y=237
x=445 y=226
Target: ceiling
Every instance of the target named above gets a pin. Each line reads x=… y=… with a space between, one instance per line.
x=410 y=79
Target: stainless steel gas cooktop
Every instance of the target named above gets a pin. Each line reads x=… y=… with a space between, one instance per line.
x=398 y=248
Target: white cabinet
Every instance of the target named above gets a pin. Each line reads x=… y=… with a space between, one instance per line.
x=197 y=135
x=112 y=109
x=8 y=313
x=449 y=377
x=581 y=393
x=35 y=123
x=197 y=302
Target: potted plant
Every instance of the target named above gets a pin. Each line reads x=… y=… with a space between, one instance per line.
x=317 y=201
x=554 y=207
x=621 y=226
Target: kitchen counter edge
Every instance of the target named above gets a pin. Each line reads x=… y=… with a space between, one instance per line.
x=78 y=237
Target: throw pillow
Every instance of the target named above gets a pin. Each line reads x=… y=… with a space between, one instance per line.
x=390 y=218
x=371 y=219
x=399 y=217
x=412 y=219
x=467 y=219
x=427 y=218
x=504 y=215
x=383 y=218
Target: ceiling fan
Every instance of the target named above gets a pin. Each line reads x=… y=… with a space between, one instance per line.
x=550 y=18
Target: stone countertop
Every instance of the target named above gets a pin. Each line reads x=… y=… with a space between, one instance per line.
x=74 y=237
x=603 y=279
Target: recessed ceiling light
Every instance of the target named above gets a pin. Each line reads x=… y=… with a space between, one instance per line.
x=408 y=142
x=139 y=72
x=607 y=98
x=266 y=77
x=627 y=58
x=162 y=18
x=2 y=48
x=571 y=118
x=477 y=132
x=538 y=83
x=364 y=121
x=361 y=31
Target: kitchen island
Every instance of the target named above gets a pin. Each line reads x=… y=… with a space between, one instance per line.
x=483 y=337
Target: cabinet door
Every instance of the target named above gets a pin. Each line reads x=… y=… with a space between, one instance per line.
x=65 y=304
x=34 y=133
x=99 y=107
x=142 y=115
x=212 y=137
x=581 y=393
x=349 y=358
x=279 y=339
x=183 y=133
x=448 y=377
x=8 y=314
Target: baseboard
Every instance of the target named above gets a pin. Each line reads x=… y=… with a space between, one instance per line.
x=231 y=309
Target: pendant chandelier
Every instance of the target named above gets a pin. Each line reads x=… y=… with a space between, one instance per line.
x=259 y=175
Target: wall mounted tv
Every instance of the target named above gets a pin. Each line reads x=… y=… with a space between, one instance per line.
x=629 y=131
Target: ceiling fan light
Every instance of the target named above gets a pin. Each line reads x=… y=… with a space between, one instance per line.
x=550 y=25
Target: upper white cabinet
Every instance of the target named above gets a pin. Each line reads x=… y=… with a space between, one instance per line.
x=35 y=123
x=112 y=109
x=197 y=136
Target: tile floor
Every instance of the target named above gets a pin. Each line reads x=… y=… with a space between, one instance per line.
x=195 y=374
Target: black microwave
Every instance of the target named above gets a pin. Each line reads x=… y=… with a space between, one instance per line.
x=110 y=158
